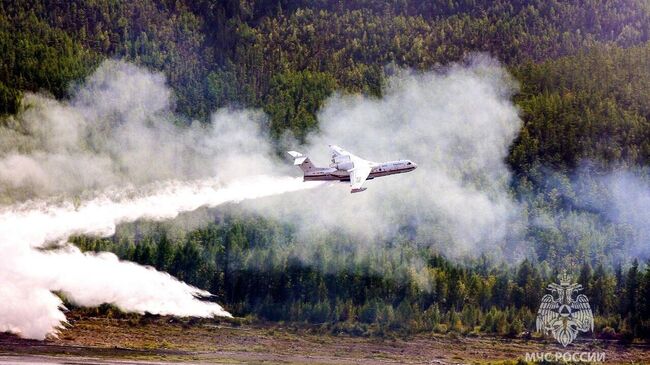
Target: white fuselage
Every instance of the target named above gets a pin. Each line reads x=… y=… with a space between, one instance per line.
x=338 y=171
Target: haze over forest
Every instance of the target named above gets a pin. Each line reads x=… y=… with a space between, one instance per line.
x=529 y=120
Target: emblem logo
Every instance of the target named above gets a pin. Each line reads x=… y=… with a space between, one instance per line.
x=561 y=315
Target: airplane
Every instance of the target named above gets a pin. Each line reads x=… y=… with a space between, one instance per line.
x=348 y=167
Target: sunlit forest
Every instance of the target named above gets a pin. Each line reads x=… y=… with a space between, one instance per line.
x=583 y=69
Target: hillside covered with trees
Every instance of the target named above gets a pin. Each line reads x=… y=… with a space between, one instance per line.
x=583 y=69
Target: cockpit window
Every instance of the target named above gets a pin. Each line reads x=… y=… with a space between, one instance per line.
x=408 y=163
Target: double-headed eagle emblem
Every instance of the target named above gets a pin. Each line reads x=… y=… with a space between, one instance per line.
x=563 y=316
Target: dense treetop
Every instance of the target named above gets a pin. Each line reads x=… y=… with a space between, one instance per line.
x=218 y=53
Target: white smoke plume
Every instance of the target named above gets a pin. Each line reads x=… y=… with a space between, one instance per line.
x=114 y=153
x=630 y=206
x=457 y=125
x=594 y=216
x=119 y=129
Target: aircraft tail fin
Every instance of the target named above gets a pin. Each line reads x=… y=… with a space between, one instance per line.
x=302 y=161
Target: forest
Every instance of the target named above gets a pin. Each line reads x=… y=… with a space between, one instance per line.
x=583 y=69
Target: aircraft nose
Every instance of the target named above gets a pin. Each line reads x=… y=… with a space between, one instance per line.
x=415 y=166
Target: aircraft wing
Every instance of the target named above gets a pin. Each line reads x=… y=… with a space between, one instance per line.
x=338 y=151
x=359 y=173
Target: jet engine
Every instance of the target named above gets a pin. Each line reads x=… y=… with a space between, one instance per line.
x=342 y=163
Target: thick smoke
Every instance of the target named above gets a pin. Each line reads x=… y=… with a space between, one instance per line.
x=105 y=157
x=457 y=125
x=119 y=129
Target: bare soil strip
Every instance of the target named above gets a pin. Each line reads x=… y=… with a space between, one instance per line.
x=163 y=339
